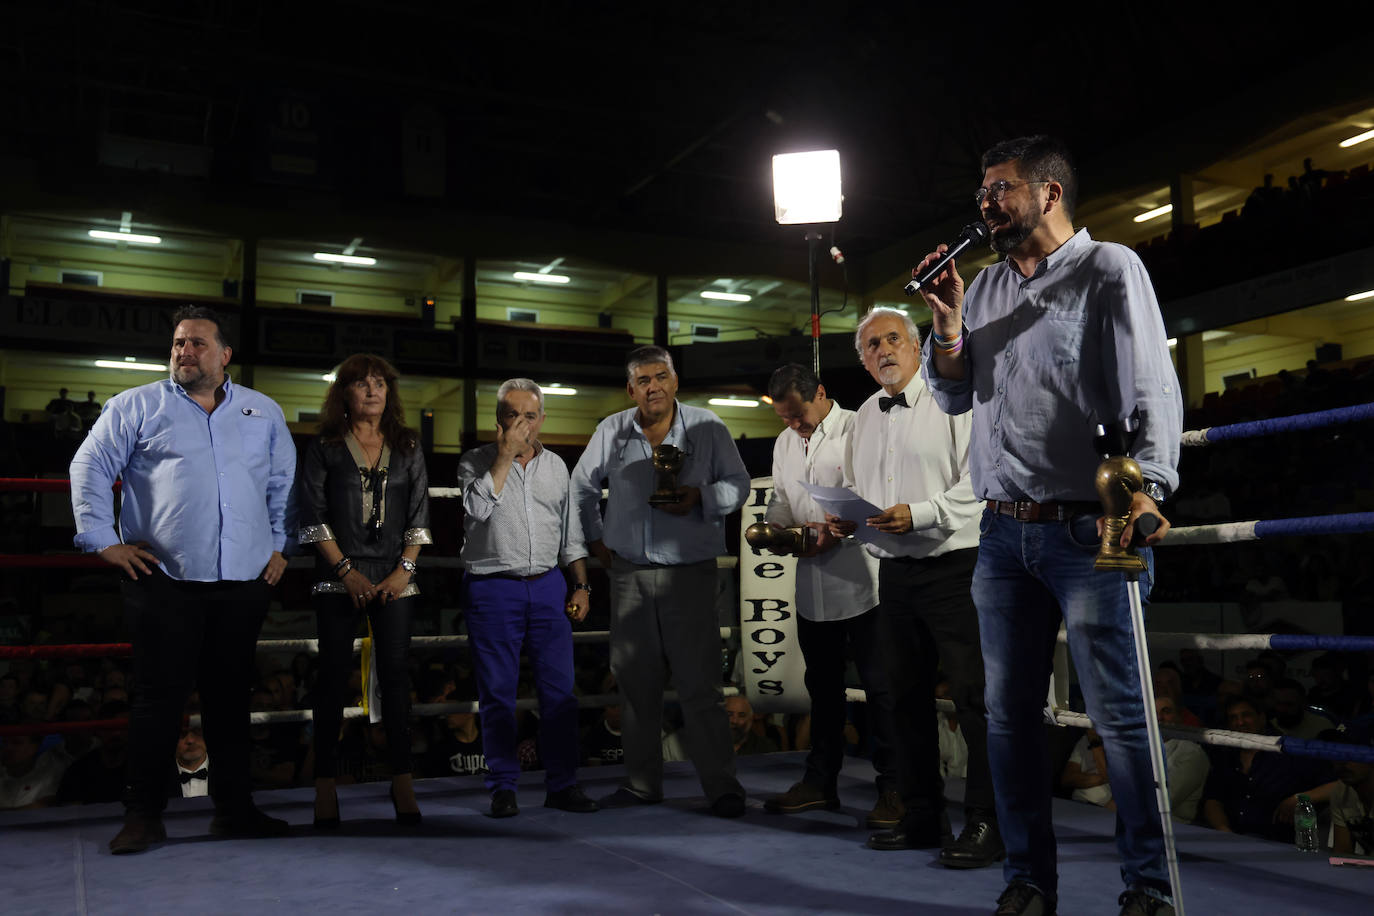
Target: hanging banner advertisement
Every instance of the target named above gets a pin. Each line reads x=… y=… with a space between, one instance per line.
x=771 y=662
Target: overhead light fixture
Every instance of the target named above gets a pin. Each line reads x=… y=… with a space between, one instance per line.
x=767 y=400
x=1356 y=297
x=128 y=363
x=107 y=236
x=1173 y=342
x=558 y=390
x=1357 y=139
x=731 y=402
x=354 y=259
x=329 y=377
x=1154 y=214
x=540 y=278
x=725 y=297
x=806 y=187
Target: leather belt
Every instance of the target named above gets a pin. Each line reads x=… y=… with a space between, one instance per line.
x=511 y=576
x=1024 y=510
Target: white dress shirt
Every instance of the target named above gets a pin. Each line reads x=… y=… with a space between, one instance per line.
x=916 y=455
x=842 y=582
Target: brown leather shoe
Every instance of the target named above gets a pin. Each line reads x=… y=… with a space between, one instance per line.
x=887 y=813
x=801 y=797
x=140 y=832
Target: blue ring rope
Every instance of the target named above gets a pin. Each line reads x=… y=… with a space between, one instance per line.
x=1327 y=750
x=1300 y=421
x=1348 y=523
x=1295 y=643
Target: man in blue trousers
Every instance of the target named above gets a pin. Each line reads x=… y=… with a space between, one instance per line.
x=519 y=527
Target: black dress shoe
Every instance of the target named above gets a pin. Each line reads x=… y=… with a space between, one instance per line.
x=979 y=845
x=404 y=818
x=624 y=798
x=138 y=834
x=1021 y=899
x=731 y=804
x=928 y=832
x=249 y=823
x=503 y=803
x=571 y=799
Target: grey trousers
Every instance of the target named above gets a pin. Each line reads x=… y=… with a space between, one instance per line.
x=662 y=618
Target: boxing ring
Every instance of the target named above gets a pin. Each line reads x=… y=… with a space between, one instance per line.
x=668 y=858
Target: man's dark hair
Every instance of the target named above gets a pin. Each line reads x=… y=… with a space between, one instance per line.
x=202 y=313
x=1288 y=683
x=1041 y=158
x=792 y=377
x=646 y=356
x=1238 y=700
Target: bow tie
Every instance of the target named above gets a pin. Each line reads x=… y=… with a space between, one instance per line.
x=202 y=773
x=886 y=404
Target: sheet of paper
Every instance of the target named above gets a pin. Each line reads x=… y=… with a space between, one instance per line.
x=851 y=507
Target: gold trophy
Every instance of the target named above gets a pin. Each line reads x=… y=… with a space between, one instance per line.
x=780 y=541
x=667 y=465
x=1118 y=480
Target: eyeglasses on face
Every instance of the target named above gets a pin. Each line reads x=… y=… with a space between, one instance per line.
x=998 y=190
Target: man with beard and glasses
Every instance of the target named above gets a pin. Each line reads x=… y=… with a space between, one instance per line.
x=207 y=468
x=907 y=455
x=1063 y=334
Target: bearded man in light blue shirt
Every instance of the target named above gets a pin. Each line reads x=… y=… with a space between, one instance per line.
x=206 y=469
x=662 y=565
x=1062 y=335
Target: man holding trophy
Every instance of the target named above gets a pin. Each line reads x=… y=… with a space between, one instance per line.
x=1063 y=335
x=837 y=590
x=674 y=475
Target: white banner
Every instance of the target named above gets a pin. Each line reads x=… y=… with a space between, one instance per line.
x=770 y=658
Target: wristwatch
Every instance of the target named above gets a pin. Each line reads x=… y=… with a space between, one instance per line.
x=409 y=565
x=1155 y=491
x=583 y=586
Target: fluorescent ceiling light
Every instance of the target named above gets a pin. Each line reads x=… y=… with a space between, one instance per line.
x=726 y=297
x=1358 y=138
x=329 y=377
x=732 y=402
x=766 y=399
x=1356 y=297
x=806 y=187
x=344 y=259
x=107 y=236
x=1173 y=342
x=558 y=390
x=128 y=363
x=540 y=278
x=1155 y=213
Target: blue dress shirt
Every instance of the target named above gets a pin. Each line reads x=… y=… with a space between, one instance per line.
x=619 y=453
x=1047 y=357
x=207 y=492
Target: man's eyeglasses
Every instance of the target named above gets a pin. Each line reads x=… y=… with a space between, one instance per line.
x=999 y=190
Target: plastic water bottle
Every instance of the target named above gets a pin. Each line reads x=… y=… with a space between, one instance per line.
x=1305 y=825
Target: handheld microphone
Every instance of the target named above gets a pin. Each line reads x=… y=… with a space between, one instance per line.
x=972 y=234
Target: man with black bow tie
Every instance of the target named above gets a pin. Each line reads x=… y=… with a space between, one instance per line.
x=193 y=765
x=908 y=455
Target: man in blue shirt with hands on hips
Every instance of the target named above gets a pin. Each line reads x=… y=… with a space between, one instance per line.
x=662 y=564
x=1063 y=334
x=207 y=468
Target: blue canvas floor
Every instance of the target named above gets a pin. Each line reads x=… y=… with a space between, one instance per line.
x=664 y=859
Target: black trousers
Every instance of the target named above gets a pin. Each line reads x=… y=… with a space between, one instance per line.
x=824 y=645
x=928 y=623
x=337 y=619
x=191 y=634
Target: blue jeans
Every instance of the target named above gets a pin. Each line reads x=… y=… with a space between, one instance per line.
x=1029 y=574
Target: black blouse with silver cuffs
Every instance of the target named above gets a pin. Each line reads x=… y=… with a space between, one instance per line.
x=372 y=512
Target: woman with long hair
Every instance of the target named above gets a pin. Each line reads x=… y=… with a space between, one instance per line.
x=365 y=507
